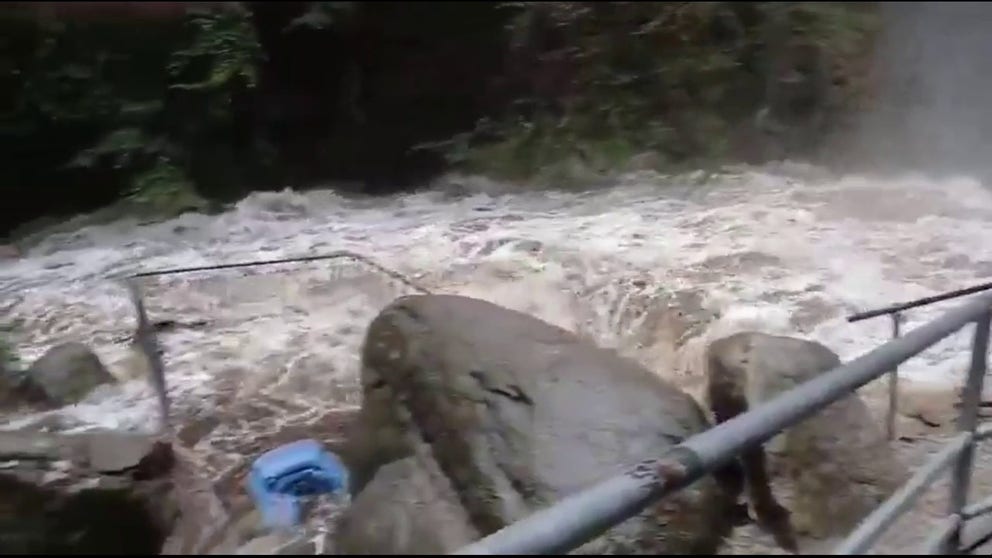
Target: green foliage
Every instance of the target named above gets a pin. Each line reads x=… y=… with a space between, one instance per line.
x=224 y=51
x=65 y=82
x=136 y=103
x=610 y=80
x=163 y=109
x=156 y=182
x=544 y=149
x=148 y=130
x=839 y=28
x=165 y=187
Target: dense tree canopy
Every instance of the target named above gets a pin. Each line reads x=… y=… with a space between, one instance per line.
x=167 y=104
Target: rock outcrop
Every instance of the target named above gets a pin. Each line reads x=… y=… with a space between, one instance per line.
x=475 y=416
x=110 y=492
x=65 y=374
x=837 y=465
x=92 y=493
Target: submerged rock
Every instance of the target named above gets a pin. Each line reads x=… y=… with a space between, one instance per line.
x=837 y=463
x=65 y=375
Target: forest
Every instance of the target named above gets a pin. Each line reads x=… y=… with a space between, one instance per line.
x=159 y=108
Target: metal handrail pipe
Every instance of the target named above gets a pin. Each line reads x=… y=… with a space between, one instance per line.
x=895 y=308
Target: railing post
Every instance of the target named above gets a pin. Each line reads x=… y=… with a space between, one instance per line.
x=968 y=422
x=890 y=420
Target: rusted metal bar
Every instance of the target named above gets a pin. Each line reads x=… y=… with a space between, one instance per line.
x=968 y=420
x=875 y=525
x=582 y=516
x=918 y=302
x=890 y=418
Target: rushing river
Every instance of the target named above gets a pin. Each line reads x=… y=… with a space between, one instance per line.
x=788 y=249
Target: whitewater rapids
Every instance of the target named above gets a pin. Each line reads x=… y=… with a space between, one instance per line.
x=791 y=248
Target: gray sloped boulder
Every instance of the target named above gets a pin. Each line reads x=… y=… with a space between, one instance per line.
x=475 y=416
x=65 y=374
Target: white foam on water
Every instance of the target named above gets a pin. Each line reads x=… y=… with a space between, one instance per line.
x=788 y=249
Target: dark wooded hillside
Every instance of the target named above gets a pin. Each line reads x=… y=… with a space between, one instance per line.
x=168 y=104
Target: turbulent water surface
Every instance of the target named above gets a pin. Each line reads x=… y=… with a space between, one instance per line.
x=793 y=249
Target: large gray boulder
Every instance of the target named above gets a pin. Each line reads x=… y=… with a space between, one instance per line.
x=474 y=416
x=66 y=374
x=837 y=465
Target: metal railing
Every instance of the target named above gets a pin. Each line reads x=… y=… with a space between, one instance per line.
x=146 y=340
x=587 y=514
x=336 y=255
x=895 y=312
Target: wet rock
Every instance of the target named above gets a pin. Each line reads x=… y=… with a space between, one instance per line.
x=475 y=416
x=277 y=544
x=8 y=391
x=646 y=161
x=100 y=451
x=244 y=534
x=66 y=374
x=102 y=519
x=165 y=326
x=927 y=411
x=115 y=452
x=58 y=497
x=16 y=392
x=519 y=245
x=837 y=465
x=9 y=252
x=202 y=521
x=197 y=429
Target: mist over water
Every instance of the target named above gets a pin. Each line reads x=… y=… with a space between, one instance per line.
x=934 y=70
